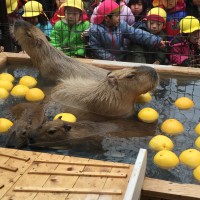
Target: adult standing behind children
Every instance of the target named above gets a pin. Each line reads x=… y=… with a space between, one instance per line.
x=154 y=22
x=175 y=12
x=66 y=33
x=106 y=36
x=193 y=8
x=34 y=14
x=125 y=13
x=185 y=47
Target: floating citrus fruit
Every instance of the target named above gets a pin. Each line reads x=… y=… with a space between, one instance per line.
x=197 y=129
x=68 y=117
x=28 y=81
x=161 y=142
x=144 y=98
x=148 y=115
x=5 y=125
x=184 y=103
x=7 y=77
x=6 y=85
x=190 y=157
x=34 y=94
x=3 y=93
x=166 y=159
x=172 y=127
x=197 y=142
x=19 y=91
x=196 y=173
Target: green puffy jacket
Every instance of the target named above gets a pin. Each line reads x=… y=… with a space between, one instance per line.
x=68 y=39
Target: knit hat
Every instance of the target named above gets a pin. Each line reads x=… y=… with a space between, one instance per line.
x=32 y=9
x=105 y=8
x=11 y=5
x=157 y=14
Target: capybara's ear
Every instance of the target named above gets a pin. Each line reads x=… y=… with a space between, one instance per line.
x=38 y=117
x=48 y=38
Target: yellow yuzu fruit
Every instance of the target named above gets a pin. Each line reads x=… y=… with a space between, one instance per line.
x=34 y=94
x=3 y=93
x=196 y=173
x=172 y=127
x=5 y=125
x=148 y=115
x=28 y=81
x=197 y=142
x=144 y=98
x=197 y=129
x=6 y=85
x=184 y=103
x=7 y=77
x=19 y=91
x=68 y=117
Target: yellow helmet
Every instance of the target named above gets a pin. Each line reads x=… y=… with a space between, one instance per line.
x=32 y=9
x=157 y=14
x=11 y=5
x=189 y=24
x=74 y=3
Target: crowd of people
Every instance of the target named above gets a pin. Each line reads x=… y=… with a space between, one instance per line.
x=142 y=31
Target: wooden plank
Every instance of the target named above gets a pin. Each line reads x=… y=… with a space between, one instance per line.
x=77 y=173
x=63 y=181
x=134 y=187
x=84 y=163
x=67 y=190
x=9 y=168
x=3 y=60
x=170 y=190
x=14 y=156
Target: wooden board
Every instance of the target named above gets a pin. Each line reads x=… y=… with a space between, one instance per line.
x=88 y=178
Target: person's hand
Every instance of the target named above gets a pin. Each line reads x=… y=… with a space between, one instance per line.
x=157 y=62
x=1 y=49
x=163 y=43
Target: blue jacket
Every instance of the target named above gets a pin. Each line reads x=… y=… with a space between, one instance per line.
x=108 y=43
x=46 y=29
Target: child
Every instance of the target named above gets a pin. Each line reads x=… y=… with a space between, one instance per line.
x=154 y=23
x=125 y=13
x=66 y=34
x=184 y=48
x=175 y=12
x=107 y=33
x=138 y=8
x=33 y=13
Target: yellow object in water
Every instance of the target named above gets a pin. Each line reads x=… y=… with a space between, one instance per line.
x=166 y=159
x=197 y=142
x=161 y=142
x=34 y=94
x=3 y=93
x=190 y=157
x=172 y=127
x=6 y=85
x=7 y=77
x=184 y=103
x=197 y=129
x=68 y=117
x=148 y=115
x=28 y=81
x=144 y=98
x=19 y=91
x=196 y=173
x=5 y=125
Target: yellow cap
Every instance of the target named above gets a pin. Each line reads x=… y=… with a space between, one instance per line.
x=157 y=14
x=11 y=5
x=32 y=9
x=74 y=3
x=189 y=24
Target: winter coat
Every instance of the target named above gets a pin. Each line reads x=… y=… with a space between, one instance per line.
x=68 y=39
x=192 y=10
x=46 y=29
x=125 y=14
x=182 y=52
x=108 y=43
x=146 y=54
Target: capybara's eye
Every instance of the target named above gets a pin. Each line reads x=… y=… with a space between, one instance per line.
x=28 y=34
x=51 y=131
x=108 y=73
x=130 y=75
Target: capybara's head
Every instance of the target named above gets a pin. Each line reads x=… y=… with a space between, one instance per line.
x=139 y=79
x=28 y=36
x=60 y=133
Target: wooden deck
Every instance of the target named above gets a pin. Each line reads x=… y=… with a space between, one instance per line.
x=34 y=175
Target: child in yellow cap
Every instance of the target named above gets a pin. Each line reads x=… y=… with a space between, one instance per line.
x=66 y=33
x=185 y=47
x=34 y=14
x=154 y=23
x=107 y=34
